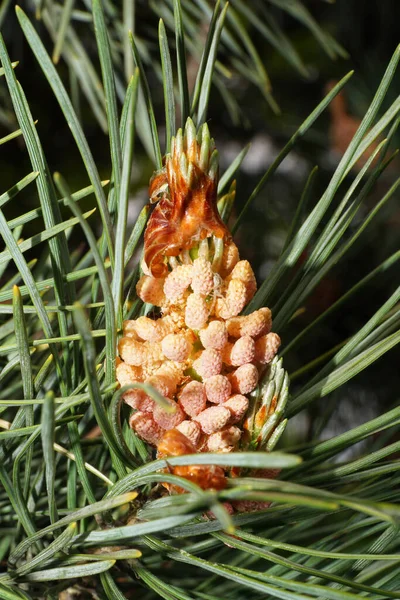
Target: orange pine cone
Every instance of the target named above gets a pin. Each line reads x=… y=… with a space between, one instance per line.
x=200 y=354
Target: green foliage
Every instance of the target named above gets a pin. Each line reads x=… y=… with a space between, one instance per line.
x=76 y=503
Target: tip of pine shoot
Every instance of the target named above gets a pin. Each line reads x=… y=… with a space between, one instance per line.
x=190 y=132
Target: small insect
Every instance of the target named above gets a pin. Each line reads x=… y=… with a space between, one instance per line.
x=175 y=443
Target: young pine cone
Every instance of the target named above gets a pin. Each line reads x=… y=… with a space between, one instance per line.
x=200 y=354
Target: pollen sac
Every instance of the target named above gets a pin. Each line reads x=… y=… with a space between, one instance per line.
x=150 y=289
x=226 y=354
x=196 y=312
x=243 y=351
x=238 y=405
x=230 y=257
x=146 y=428
x=243 y=271
x=244 y=379
x=215 y=335
x=177 y=282
x=224 y=440
x=151 y=330
x=191 y=430
x=218 y=389
x=203 y=277
x=127 y=374
x=168 y=420
x=234 y=301
x=193 y=398
x=176 y=346
x=174 y=316
x=136 y=353
x=208 y=364
x=266 y=347
x=147 y=404
x=132 y=352
x=171 y=374
x=160 y=384
x=145 y=329
x=213 y=419
x=129 y=329
x=136 y=399
x=256 y=324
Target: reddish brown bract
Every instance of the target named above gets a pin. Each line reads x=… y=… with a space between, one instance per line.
x=174 y=443
x=185 y=214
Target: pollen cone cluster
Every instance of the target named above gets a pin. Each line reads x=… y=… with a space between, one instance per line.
x=198 y=352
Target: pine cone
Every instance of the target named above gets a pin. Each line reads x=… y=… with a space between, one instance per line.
x=208 y=361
